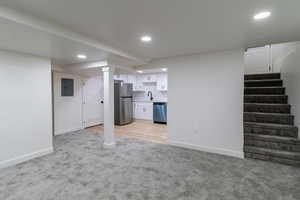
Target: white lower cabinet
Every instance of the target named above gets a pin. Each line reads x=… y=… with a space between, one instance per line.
x=143 y=110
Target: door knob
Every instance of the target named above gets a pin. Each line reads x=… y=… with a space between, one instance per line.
x=101 y=101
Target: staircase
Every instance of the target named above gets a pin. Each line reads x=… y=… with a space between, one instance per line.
x=269 y=131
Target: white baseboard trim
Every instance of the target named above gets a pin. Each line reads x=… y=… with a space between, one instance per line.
x=23 y=158
x=226 y=152
x=101 y=124
x=63 y=131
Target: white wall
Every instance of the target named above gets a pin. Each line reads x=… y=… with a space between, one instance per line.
x=290 y=70
x=67 y=110
x=257 y=60
x=280 y=52
x=25 y=107
x=205 y=109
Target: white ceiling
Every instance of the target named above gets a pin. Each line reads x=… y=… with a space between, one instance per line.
x=178 y=27
x=21 y=38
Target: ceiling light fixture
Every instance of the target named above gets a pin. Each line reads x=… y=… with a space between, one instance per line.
x=139 y=71
x=262 y=15
x=164 y=69
x=146 y=38
x=81 y=56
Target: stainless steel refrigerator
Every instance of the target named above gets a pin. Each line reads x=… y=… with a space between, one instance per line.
x=123 y=103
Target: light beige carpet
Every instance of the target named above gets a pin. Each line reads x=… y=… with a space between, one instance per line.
x=81 y=169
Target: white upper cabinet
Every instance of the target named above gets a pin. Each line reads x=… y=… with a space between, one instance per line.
x=162 y=82
x=138 y=81
x=121 y=77
x=138 y=85
x=117 y=77
x=149 y=78
x=131 y=79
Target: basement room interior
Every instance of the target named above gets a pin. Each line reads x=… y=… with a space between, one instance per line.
x=148 y=100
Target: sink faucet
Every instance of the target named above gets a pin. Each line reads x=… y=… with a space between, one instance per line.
x=150 y=94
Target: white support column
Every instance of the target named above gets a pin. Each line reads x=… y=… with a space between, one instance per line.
x=109 y=120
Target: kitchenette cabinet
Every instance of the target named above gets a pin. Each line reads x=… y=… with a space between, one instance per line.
x=138 y=85
x=143 y=110
x=162 y=82
x=139 y=81
x=149 y=78
x=131 y=79
x=121 y=77
x=156 y=83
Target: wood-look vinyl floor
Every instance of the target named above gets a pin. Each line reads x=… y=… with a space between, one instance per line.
x=140 y=129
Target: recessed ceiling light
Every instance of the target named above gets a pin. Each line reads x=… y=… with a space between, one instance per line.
x=146 y=38
x=262 y=15
x=164 y=69
x=139 y=71
x=81 y=56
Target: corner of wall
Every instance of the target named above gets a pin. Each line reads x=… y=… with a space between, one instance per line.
x=26 y=157
x=65 y=131
x=226 y=152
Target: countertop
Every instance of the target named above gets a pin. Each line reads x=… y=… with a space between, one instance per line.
x=147 y=101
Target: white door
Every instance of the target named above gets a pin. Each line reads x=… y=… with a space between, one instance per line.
x=257 y=60
x=67 y=109
x=93 y=101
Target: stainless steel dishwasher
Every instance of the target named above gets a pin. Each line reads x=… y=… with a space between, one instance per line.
x=160 y=112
